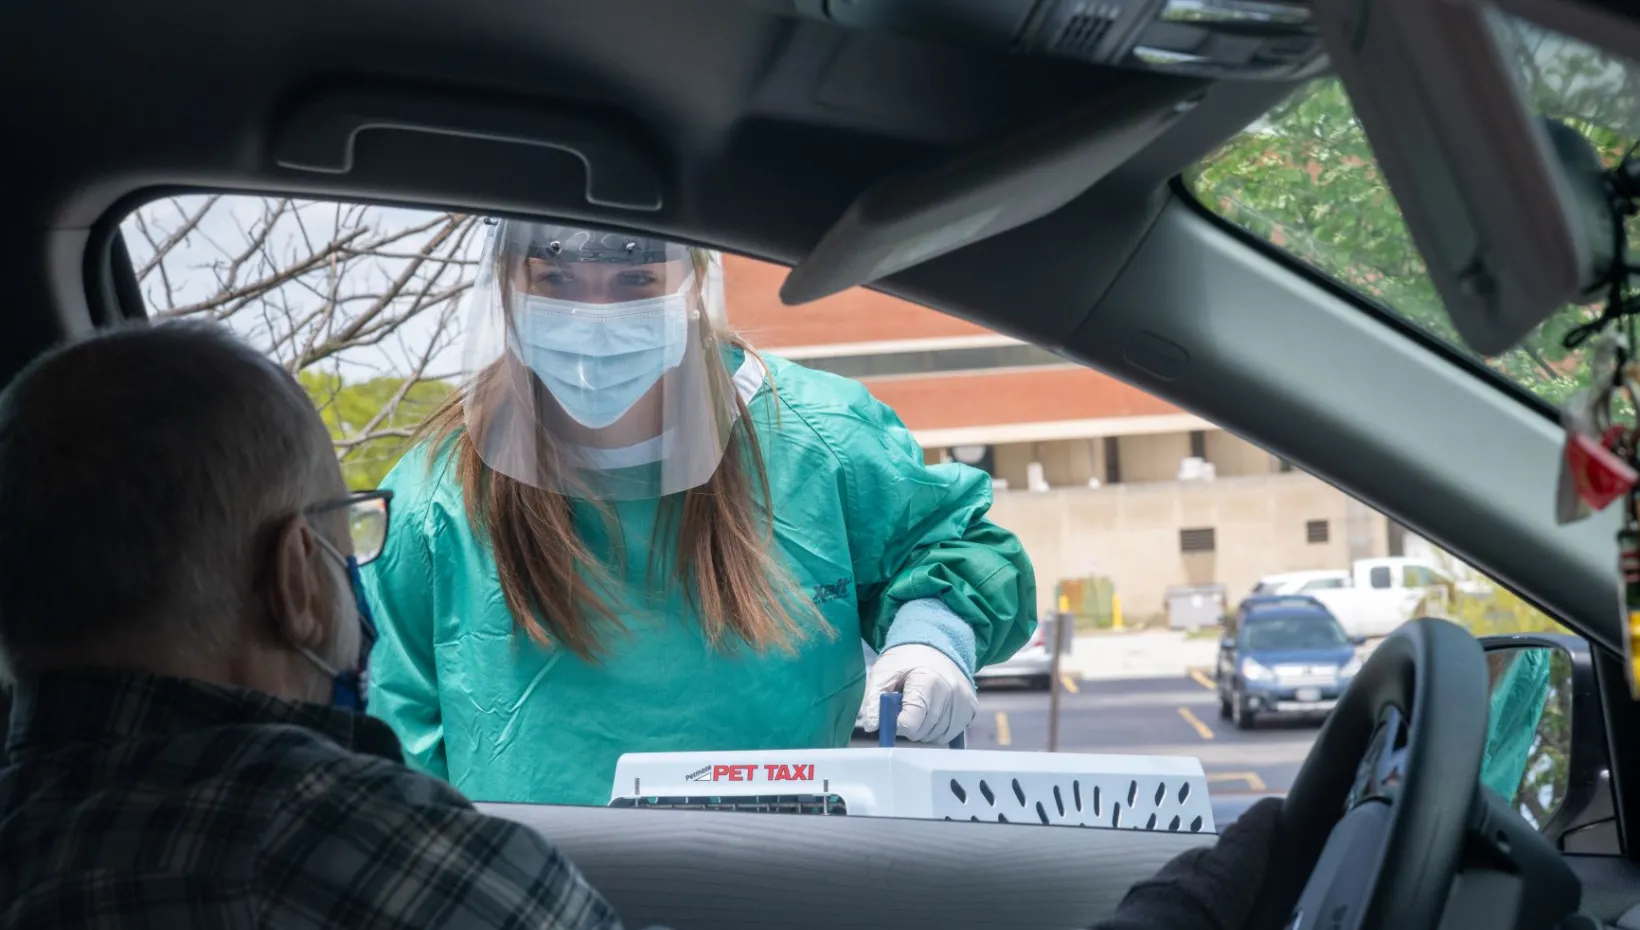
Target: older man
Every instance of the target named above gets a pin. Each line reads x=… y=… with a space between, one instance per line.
x=179 y=610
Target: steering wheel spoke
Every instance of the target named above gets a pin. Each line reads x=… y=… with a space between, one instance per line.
x=1383 y=768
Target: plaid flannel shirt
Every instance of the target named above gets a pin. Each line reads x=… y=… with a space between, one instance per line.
x=134 y=801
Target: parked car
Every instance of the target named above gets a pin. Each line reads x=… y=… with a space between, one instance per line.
x=1259 y=601
x=1033 y=663
x=1375 y=595
x=1301 y=582
x=1286 y=656
x=1253 y=602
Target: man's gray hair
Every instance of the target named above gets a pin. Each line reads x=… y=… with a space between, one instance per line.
x=141 y=472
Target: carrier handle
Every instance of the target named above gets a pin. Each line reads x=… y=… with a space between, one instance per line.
x=888 y=717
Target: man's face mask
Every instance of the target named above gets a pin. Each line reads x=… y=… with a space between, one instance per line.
x=367 y=523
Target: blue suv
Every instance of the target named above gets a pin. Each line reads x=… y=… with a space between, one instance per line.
x=1287 y=655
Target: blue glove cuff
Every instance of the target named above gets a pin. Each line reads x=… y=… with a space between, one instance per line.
x=928 y=622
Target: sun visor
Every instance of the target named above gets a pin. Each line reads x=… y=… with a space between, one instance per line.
x=1502 y=230
x=915 y=217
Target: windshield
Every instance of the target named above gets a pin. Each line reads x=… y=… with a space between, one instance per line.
x=1304 y=178
x=970 y=458
x=1304 y=630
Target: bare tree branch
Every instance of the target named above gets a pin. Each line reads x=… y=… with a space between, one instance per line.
x=278 y=276
x=189 y=224
x=359 y=302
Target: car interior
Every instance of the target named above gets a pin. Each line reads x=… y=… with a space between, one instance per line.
x=1016 y=164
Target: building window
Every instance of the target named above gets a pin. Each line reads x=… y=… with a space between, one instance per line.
x=1198 y=444
x=931 y=361
x=983 y=458
x=1113 y=461
x=1196 y=540
x=1395 y=539
x=1315 y=531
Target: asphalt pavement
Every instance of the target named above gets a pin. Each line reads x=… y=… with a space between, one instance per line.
x=1173 y=716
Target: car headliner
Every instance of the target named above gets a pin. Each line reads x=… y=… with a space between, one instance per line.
x=766 y=128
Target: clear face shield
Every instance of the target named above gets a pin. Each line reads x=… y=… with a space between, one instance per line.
x=593 y=362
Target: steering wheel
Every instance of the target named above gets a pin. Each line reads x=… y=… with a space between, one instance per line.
x=1372 y=829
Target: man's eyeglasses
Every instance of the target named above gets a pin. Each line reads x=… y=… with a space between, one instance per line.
x=366 y=521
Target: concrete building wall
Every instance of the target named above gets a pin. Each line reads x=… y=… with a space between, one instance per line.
x=1061 y=416
x=1130 y=533
x=1232 y=455
x=1152 y=458
x=1069 y=463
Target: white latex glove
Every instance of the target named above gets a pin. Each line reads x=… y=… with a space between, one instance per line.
x=939 y=699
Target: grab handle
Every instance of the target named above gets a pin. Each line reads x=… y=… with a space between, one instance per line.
x=319 y=137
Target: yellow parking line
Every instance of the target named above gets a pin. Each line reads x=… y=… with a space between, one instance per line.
x=1202 y=679
x=1069 y=682
x=1254 y=783
x=1003 y=736
x=1195 y=722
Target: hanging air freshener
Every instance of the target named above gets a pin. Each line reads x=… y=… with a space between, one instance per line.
x=1594 y=468
x=1600 y=459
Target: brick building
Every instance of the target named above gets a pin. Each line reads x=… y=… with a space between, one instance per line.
x=1096 y=477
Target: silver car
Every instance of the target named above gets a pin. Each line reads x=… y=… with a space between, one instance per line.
x=1033 y=663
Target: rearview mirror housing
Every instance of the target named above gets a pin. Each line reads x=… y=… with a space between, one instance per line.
x=1436 y=88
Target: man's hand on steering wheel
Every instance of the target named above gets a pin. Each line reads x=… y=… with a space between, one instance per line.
x=1371 y=833
x=1209 y=887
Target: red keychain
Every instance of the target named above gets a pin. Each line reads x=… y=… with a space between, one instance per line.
x=1595 y=469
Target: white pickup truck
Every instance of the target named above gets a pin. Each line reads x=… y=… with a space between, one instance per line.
x=1374 y=596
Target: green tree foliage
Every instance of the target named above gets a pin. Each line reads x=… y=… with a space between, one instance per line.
x=1498 y=611
x=359 y=302
x=372 y=422
x=1304 y=178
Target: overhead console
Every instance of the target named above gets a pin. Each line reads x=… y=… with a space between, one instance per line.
x=1252 y=40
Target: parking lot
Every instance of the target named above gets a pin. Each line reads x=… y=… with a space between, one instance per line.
x=1148 y=716
x=1148 y=693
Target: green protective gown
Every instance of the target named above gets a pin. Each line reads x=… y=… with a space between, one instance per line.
x=863 y=524
x=1518 y=699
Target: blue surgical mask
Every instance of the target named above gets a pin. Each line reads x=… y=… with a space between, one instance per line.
x=348 y=686
x=599 y=360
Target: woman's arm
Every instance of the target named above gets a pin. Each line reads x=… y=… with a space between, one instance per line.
x=929 y=567
x=403 y=688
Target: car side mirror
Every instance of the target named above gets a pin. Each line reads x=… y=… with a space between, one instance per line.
x=1358 y=640
x=1545 y=738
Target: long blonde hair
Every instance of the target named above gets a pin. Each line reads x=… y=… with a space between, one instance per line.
x=558 y=590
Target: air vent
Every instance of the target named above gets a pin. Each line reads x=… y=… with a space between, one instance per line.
x=1040 y=798
x=1085 y=29
x=1197 y=540
x=758 y=804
